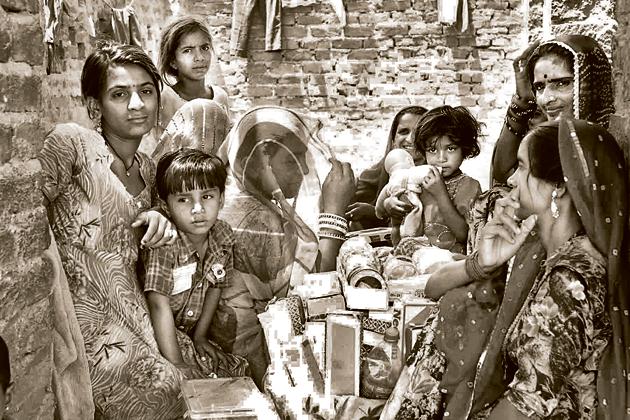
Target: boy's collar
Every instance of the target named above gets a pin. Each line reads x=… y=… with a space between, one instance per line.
x=219 y=236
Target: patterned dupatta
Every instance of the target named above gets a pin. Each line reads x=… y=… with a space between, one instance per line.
x=595 y=174
x=199 y=124
x=280 y=126
x=592 y=77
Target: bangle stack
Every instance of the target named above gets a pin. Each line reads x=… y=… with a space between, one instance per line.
x=475 y=271
x=332 y=226
x=518 y=115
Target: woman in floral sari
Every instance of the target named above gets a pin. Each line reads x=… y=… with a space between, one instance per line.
x=565 y=352
x=275 y=159
x=97 y=190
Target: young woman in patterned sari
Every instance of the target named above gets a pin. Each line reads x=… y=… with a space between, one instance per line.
x=97 y=190
x=275 y=158
x=564 y=352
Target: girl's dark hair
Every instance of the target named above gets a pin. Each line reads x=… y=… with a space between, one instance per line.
x=170 y=39
x=5 y=366
x=457 y=123
x=543 y=153
x=110 y=54
x=189 y=169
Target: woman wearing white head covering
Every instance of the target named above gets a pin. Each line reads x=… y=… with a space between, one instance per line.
x=275 y=158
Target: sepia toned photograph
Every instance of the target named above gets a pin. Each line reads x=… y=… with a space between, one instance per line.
x=314 y=209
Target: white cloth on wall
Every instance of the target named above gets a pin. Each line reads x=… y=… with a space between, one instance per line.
x=337 y=5
x=452 y=11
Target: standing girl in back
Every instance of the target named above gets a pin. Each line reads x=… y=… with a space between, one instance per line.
x=185 y=56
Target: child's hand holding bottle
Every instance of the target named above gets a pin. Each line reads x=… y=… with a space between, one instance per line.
x=434 y=184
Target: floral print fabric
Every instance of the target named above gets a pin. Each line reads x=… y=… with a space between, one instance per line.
x=90 y=213
x=557 y=340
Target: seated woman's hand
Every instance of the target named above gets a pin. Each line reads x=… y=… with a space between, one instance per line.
x=396 y=208
x=338 y=188
x=159 y=229
x=206 y=348
x=356 y=211
x=500 y=238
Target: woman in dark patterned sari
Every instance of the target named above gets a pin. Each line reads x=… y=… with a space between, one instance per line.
x=559 y=351
x=567 y=76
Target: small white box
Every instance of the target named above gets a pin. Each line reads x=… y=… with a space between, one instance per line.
x=366 y=299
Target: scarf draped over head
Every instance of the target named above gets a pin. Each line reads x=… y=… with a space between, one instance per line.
x=373 y=179
x=200 y=124
x=280 y=127
x=595 y=174
x=592 y=77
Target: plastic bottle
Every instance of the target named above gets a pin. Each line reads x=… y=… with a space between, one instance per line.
x=382 y=366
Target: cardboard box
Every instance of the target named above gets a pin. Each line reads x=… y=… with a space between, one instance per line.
x=318 y=307
x=315 y=331
x=226 y=398
x=410 y=287
x=343 y=354
x=301 y=365
x=365 y=299
x=317 y=285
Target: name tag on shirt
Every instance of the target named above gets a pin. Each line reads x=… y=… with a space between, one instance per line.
x=182 y=278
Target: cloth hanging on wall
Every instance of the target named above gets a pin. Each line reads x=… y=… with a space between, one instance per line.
x=337 y=5
x=241 y=16
x=52 y=10
x=453 y=12
x=125 y=26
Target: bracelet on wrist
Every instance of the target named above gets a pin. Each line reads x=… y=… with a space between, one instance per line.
x=475 y=271
x=333 y=216
x=331 y=235
x=342 y=231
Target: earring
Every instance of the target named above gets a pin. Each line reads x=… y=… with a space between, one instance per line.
x=555 y=212
x=98 y=127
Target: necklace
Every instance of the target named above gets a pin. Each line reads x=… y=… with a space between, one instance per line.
x=120 y=158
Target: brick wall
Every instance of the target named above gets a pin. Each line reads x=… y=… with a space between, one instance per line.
x=621 y=59
x=25 y=321
x=392 y=53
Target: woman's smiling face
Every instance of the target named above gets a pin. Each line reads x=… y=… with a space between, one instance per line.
x=403 y=137
x=553 y=86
